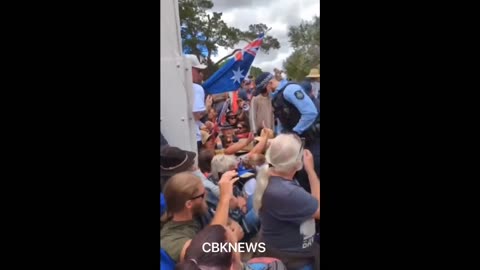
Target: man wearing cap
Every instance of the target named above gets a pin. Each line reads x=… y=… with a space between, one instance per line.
x=200 y=106
x=295 y=112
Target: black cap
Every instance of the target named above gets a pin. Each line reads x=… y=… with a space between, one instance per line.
x=262 y=81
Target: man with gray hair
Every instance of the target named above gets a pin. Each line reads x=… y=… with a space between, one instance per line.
x=287 y=212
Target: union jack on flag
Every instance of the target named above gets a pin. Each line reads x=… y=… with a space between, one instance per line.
x=251 y=48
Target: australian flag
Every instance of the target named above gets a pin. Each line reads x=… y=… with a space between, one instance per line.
x=231 y=74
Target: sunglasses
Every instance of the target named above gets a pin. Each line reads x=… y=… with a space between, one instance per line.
x=199 y=196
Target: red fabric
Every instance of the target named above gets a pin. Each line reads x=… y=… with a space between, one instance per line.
x=243 y=135
x=234 y=102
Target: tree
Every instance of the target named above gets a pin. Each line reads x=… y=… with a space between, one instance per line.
x=305 y=39
x=255 y=71
x=203 y=33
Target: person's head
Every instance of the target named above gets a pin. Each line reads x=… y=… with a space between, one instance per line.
x=266 y=83
x=208 y=140
x=251 y=86
x=314 y=75
x=205 y=160
x=197 y=256
x=212 y=114
x=185 y=194
x=222 y=164
x=285 y=157
x=232 y=118
x=285 y=154
x=197 y=68
x=242 y=127
x=227 y=130
x=175 y=160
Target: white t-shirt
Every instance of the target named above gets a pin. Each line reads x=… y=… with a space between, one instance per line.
x=198 y=105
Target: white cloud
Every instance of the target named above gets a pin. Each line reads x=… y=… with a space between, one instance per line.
x=279 y=15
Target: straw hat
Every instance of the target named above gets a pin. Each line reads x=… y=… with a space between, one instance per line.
x=205 y=136
x=314 y=73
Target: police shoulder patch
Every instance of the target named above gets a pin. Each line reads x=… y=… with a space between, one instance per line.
x=299 y=94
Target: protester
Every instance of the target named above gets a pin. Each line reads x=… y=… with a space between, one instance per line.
x=174 y=160
x=222 y=164
x=185 y=198
x=243 y=110
x=252 y=162
x=200 y=105
x=261 y=111
x=242 y=130
x=219 y=101
x=208 y=140
x=232 y=118
x=287 y=212
x=314 y=77
x=205 y=161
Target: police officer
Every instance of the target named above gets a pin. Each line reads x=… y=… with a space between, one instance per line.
x=295 y=112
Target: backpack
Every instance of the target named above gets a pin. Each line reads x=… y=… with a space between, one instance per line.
x=265 y=263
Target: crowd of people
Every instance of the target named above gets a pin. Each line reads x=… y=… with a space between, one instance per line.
x=257 y=178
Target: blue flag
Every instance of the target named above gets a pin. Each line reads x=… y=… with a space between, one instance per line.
x=230 y=76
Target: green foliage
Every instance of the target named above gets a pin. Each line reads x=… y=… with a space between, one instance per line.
x=305 y=39
x=255 y=71
x=193 y=15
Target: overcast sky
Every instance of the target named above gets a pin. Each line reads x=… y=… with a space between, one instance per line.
x=278 y=14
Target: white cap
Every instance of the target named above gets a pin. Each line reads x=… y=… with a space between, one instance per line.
x=194 y=61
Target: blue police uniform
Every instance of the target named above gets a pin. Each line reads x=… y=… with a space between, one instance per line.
x=296 y=96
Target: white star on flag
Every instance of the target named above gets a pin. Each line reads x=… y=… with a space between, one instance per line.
x=237 y=75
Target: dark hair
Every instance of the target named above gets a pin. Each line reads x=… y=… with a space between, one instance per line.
x=195 y=257
x=205 y=160
x=245 y=124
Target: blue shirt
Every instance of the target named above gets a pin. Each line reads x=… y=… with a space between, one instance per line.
x=287 y=216
x=304 y=105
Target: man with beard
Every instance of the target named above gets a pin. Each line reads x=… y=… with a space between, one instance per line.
x=185 y=196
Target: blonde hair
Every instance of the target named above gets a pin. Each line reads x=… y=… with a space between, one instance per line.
x=222 y=164
x=284 y=156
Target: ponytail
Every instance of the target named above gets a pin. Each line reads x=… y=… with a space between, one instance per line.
x=262 y=183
